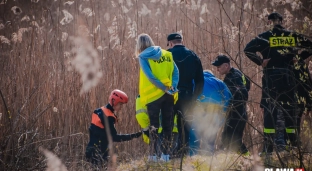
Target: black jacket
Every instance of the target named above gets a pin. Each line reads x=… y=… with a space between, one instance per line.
x=234 y=81
x=190 y=69
x=277 y=44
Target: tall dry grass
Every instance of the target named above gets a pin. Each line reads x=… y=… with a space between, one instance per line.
x=60 y=60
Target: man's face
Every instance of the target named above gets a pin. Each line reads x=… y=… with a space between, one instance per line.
x=223 y=68
x=118 y=106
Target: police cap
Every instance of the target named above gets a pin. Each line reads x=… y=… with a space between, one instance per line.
x=221 y=59
x=174 y=36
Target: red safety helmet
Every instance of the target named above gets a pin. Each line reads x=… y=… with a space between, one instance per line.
x=118 y=96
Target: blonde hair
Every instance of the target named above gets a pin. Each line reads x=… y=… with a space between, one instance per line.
x=144 y=41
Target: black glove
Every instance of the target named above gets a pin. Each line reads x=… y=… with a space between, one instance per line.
x=146 y=133
x=136 y=135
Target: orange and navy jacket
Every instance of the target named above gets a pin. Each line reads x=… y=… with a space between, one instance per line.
x=97 y=128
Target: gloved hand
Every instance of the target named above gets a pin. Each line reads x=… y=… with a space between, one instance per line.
x=136 y=135
x=146 y=133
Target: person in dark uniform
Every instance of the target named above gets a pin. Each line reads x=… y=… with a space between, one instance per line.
x=232 y=136
x=279 y=48
x=190 y=85
x=103 y=123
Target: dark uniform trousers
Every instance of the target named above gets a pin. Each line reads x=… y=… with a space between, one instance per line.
x=279 y=86
x=234 y=127
x=97 y=150
x=164 y=104
x=183 y=108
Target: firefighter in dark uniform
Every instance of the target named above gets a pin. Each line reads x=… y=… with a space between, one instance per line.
x=232 y=136
x=279 y=48
x=103 y=123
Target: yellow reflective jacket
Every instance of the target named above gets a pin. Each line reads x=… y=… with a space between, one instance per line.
x=143 y=119
x=162 y=71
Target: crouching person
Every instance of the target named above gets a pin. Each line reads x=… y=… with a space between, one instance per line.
x=144 y=121
x=103 y=123
x=209 y=114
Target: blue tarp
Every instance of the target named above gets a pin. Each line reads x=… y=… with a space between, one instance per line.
x=215 y=93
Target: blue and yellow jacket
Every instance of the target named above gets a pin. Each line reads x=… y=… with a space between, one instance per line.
x=215 y=93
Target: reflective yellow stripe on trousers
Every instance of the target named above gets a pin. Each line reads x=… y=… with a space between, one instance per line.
x=268 y=131
x=290 y=130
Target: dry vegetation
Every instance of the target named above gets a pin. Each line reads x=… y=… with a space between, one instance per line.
x=60 y=59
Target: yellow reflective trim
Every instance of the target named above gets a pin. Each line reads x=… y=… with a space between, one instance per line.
x=175 y=130
x=244 y=79
x=140 y=111
x=145 y=129
x=269 y=131
x=290 y=130
x=282 y=41
x=146 y=139
x=160 y=129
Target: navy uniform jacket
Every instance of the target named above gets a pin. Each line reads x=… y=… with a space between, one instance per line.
x=190 y=69
x=235 y=82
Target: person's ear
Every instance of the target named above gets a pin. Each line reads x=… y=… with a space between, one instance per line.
x=269 y=22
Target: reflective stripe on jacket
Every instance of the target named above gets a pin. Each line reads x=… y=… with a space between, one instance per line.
x=144 y=121
x=162 y=70
x=96 y=119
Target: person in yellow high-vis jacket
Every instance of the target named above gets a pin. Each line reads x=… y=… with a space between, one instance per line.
x=159 y=77
x=144 y=122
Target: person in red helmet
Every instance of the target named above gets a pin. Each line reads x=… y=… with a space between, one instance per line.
x=103 y=123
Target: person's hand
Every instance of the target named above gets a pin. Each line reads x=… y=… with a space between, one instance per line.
x=136 y=135
x=171 y=90
x=295 y=60
x=265 y=62
x=202 y=97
